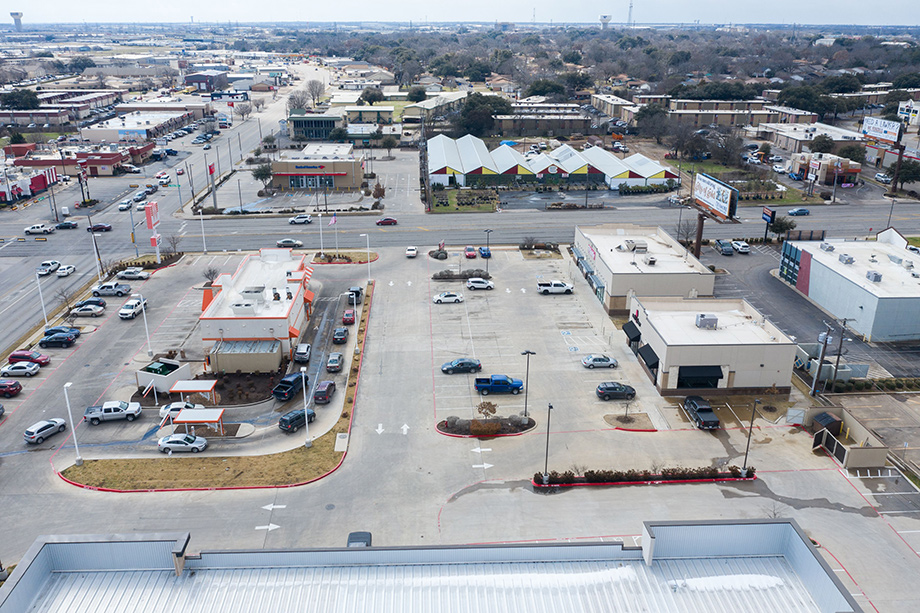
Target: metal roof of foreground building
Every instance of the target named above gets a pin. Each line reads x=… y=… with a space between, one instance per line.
x=751 y=566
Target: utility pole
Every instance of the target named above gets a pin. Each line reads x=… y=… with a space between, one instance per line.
x=817 y=375
x=843 y=331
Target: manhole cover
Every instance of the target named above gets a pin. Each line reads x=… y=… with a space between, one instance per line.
x=329 y=507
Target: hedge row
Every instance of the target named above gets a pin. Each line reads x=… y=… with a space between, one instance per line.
x=678 y=473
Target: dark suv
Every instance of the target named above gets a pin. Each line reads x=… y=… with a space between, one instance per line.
x=9 y=388
x=294 y=420
x=700 y=413
x=724 y=247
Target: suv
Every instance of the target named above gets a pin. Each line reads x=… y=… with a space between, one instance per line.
x=475 y=283
x=700 y=413
x=354 y=295
x=302 y=352
x=881 y=177
x=294 y=420
x=9 y=388
x=724 y=247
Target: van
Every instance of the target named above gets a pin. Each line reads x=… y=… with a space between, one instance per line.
x=294 y=420
x=324 y=392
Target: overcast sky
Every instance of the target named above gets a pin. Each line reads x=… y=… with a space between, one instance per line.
x=861 y=12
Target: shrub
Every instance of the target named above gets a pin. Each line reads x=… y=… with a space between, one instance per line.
x=859 y=385
x=480 y=427
x=899 y=383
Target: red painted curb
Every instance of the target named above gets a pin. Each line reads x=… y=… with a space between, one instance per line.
x=483 y=436
x=663 y=482
x=636 y=429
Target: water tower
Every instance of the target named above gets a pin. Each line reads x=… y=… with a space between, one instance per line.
x=17 y=21
x=605 y=19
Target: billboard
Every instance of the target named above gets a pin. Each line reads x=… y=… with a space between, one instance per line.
x=881 y=129
x=715 y=196
x=152 y=211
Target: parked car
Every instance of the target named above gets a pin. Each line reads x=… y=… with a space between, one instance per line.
x=39 y=431
x=348 y=317
x=497 y=384
x=302 y=353
x=779 y=168
x=182 y=442
x=470 y=252
x=99 y=227
x=87 y=310
x=340 y=336
x=113 y=410
x=881 y=177
x=411 y=252
x=614 y=389
x=300 y=219
x=57 y=340
x=47 y=267
x=75 y=332
x=290 y=243
x=798 y=212
x=26 y=355
x=296 y=419
x=461 y=365
x=67 y=225
x=134 y=272
x=94 y=300
x=132 y=308
x=741 y=247
x=776 y=158
x=724 y=247
x=474 y=283
x=174 y=408
x=599 y=360
x=700 y=413
x=111 y=288
x=355 y=295
x=386 y=221
x=334 y=362
x=9 y=387
x=447 y=297
x=485 y=252
x=206 y=146
x=20 y=369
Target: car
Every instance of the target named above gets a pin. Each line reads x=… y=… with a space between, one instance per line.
x=779 y=168
x=348 y=317
x=290 y=243
x=67 y=225
x=151 y=190
x=20 y=369
x=485 y=252
x=302 y=352
x=293 y=421
x=39 y=228
x=599 y=360
x=386 y=221
x=301 y=219
x=161 y=174
x=173 y=408
x=99 y=302
x=741 y=247
x=798 y=212
x=182 y=442
x=474 y=283
x=62 y=330
x=87 y=310
x=140 y=196
x=163 y=181
x=124 y=205
x=27 y=355
x=614 y=389
x=913 y=249
x=180 y=171
x=411 y=252
x=752 y=146
x=881 y=177
x=335 y=361
x=142 y=206
x=47 y=267
x=57 y=340
x=39 y=431
x=340 y=336
x=776 y=158
x=206 y=146
x=173 y=152
x=132 y=308
x=133 y=272
x=470 y=252
x=724 y=247
x=461 y=365
x=447 y=297
x=99 y=227
x=9 y=387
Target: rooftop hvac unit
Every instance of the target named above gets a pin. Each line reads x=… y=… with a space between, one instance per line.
x=845 y=258
x=907 y=264
x=253 y=293
x=243 y=308
x=707 y=322
x=826 y=247
x=639 y=246
x=874 y=276
x=649 y=260
x=895 y=259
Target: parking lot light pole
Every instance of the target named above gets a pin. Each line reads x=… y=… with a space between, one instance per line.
x=306 y=415
x=528 y=353
x=78 y=461
x=489 y=250
x=744 y=466
x=549 y=412
x=41 y=298
x=146 y=329
x=890 y=211
x=368 y=237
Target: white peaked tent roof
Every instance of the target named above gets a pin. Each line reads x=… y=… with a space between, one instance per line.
x=643 y=165
x=568 y=159
x=474 y=154
x=606 y=162
x=442 y=153
x=540 y=163
x=506 y=158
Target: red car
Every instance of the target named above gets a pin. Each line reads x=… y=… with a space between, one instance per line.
x=470 y=252
x=24 y=355
x=386 y=221
x=10 y=388
x=179 y=171
x=348 y=317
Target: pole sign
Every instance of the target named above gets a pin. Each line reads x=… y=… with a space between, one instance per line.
x=715 y=196
x=152 y=211
x=155 y=240
x=769 y=215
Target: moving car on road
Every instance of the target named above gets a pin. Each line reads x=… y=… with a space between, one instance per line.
x=797 y=212
x=38 y=432
x=66 y=270
x=47 y=267
x=182 y=442
x=67 y=225
x=99 y=227
x=300 y=219
x=386 y=221
x=289 y=243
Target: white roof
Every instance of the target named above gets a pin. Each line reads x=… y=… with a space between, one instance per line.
x=442 y=153
x=897 y=281
x=252 y=283
x=670 y=256
x=643 y=165
x=199 y=416
x=606 y=162
x=505 y=158
x=474 y=154
x=568 y=158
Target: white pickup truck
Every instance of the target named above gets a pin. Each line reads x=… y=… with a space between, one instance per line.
x=112 y=410
x=554 y=287
x=39 y=228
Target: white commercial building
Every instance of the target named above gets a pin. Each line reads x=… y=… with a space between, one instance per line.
x=619 y=260
x=709 y=346
x=875 y=285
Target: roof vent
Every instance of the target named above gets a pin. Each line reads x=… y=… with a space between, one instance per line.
x=874 y=276
x=907 y=264
x=846 y=258
x=649 y=260
x=707 y=322
x=243 y=308
x=826 y=247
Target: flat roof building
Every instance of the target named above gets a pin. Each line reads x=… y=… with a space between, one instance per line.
x=796 y=137
x=319 y=166
x=137 y=126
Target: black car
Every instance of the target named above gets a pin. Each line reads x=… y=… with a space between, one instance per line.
x=294 y=421
x=93 y=300
x=613 y=389
x=99 y=227
x=57 y=340
x=340 y=336
x=172 y=151
x=461 y=365
x=67 y=225
x=75 y=332
x=151 y=190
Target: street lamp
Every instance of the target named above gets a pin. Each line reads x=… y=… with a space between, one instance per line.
x=488 y=232
x=144 y=311
x=78 y=461
x=549 y=412
x=306 y=416
x=528 y=353
x=890 y=211
x=744 y=467
x=40 y=298
x=368 y=238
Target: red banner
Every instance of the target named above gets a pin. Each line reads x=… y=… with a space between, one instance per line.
x=210 y=169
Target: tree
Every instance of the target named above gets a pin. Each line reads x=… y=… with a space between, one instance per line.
x=315 y=89
x=577 y=80
x=379 y=191
x=338 y=135
x=17 y=139
x=172 y=242
x=476 y=116
x=416 y=94
x=822 y=143
x=258 y=103
x=372 y=95
x=79 y=64
x=653 y=121
x=388 y=142
x=20 y=99
x=685 y=230
x=766 y=149
x=263 y=174
x=544 y=87
x=571 y=57
x=211 y=274
x=909 y=173
x=781 y=225
x=242 y=110
x=854 y=152
x=298 y=99
x=268 y=140
x=908 y=80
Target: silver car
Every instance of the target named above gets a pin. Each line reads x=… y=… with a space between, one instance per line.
x=174 y=408
x=598 y=361
x=182 y=442
x=19 y=369
x=88 y=310
x=302 y=353
x=38 y=432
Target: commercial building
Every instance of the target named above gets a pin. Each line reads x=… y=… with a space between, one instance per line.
x=16 y=183
x=715 y=347
x=191 y=105
x=440 y=105
x=623 y=259
x=874 y=285
x=136 y=127
x=319 y=166
x=824 y=168
x=207 y=80
x=797 y=137
x=729 y=565
x=909 y=112
x=370 y=114
x=304 y=125
x=102 y=161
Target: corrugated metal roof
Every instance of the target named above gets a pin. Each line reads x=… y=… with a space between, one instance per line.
x=442 y=153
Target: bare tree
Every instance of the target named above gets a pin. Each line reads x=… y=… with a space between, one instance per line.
x=298 y=99
x=65 y=297
x=316 y=89
x=211 y=275
x=684 y=230
x=172 y=242
x=242 y=110
x=258 y=104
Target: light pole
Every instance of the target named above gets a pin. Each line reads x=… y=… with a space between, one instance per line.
x=489 y=250
x=368 y=237
x=41 y=298
x=306 y=416
x=144 y=311
x=744 y=466
x=549 y=413
x=817 y=375
x=79 y=460
x=528 y=353
x=890 y=211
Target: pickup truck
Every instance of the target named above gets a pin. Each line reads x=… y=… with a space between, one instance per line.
x=700 y=413
x=498 y=384
x=112 y=410
x=112 y=288
x=554 y=287
x=288 y=387
x=39 y=228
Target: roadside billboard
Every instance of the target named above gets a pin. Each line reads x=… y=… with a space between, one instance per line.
x=881 y=129
x=715 y=196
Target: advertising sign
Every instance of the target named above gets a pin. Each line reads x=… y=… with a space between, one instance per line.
x=155 y=240
x=768 y=214
x=152 y=211
x=715 y=196
x=881 y=129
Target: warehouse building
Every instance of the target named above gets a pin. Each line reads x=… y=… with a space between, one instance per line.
x=331 y=166
x=875 y=285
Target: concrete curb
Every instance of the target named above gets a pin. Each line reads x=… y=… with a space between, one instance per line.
x=662 y=482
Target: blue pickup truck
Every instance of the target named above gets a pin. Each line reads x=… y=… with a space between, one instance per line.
x=288 y=386
x=498 y=384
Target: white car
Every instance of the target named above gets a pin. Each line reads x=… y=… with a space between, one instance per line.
x=779 y=168
x=132 y=308
x=447 y=297
x=66 y=270
x=133 y=272
x=141 y=206
x=173 y=408
x=411 y=252
x=741 y=247
x=124 y=205
x=475 y=283
x=776 y=158
x=19 y=369
x=300 y=219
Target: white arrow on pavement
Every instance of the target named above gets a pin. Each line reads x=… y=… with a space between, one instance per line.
x=483 y=466
x=269 y=527
x=477 y=450
x=405 y=429
x=272 y=507
x=379 y=429
x=523 y=291
x=507 y=290
x=409 y=283
x=391 y=284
